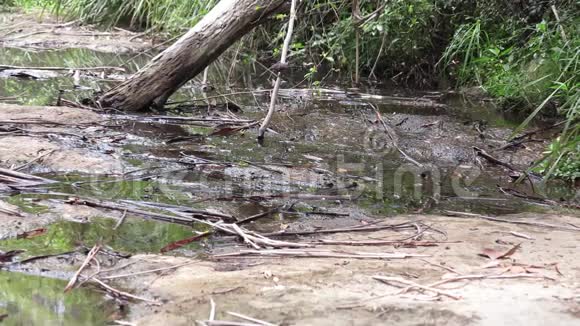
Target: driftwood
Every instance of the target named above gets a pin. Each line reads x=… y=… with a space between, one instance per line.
x=18 y=179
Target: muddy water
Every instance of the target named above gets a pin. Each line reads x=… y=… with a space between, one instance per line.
x=329 y=144
x=33 y=300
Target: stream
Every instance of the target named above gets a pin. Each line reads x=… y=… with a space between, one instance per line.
x=328 y=144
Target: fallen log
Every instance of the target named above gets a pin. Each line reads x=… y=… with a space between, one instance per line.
x=226 y=23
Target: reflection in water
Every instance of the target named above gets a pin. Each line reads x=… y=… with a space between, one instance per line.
x=45 y=91
x=33 y=300
x=134 y=235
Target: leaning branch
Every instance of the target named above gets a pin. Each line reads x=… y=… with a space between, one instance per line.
x=283 y=60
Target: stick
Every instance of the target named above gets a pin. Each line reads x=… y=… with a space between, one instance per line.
x=212 y=311
x=491 y=159
x=387 y=130
x=382 y=243
x=521 y=235
x=148 y=271
x=413 y=284
x=493 y=277
x=226 y=323
x=257 y=216
x=496 y=219
x=257 y=321
x=343 y=230
x=283 y=60
x=356 y=16
x=315 y=253
x=121 y=220
x=38 y=158
x=85 y=263
x=6 y=67
x=124 y=294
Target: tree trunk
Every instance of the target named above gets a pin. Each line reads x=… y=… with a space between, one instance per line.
x=227 y=22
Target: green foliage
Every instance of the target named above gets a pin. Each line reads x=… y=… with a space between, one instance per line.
x=528 y=66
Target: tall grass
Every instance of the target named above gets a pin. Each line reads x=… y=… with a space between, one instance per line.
x=162 y=15
x=533 y=67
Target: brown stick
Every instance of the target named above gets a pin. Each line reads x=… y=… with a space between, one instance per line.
x=316 y=253
x=415 y=285
x=496 y=219
x=124 y=294
x=85 y=263
x=148 y=271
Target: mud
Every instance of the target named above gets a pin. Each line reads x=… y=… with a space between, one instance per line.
x=312 y=291
x=329 y=165
x=61 y=138
x=40 y=31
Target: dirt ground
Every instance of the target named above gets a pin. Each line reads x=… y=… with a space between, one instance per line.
x=329 y=291
x=41 y=31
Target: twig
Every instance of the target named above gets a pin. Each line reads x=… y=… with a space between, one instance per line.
x=491 y=277
x=6 y=67
x=521 y=235
x=212 y=310
x=257 y=321
x=85 y=263
x=491 y=159
x=316 y=253
x=283 y=60
x=440 y=266
x=35 y=258
x=121 y=220
x=124 y=323
x=355 y=21
x=496 y=219
x=392 y=137
x=382 y=243
x=124 y=294
x=343 y=230
x=38 y=158
x=247 y=240
x=257 y=216
x=226 y=323
x=148 y=271
x=415 y=285
x=265 y=168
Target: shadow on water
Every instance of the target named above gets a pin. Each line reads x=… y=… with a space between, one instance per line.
x=33 y=300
